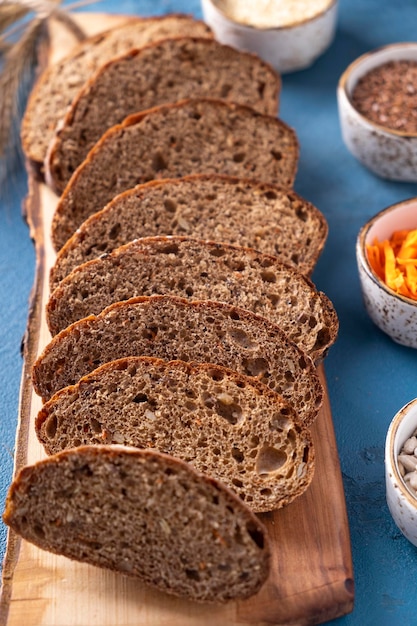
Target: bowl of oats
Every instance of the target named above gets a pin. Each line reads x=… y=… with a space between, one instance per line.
x=401 y=470
x=377 y=103
x=290 y=35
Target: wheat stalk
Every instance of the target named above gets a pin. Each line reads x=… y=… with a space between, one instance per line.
x=23 y=29
x=10 y=13
x=17 y=66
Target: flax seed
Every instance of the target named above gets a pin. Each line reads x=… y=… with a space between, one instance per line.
x=387 y=95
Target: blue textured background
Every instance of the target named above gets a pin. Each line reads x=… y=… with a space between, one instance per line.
x=369 y=376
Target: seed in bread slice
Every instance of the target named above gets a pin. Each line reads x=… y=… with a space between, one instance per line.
x=170 y=141
x=172 y=328
x=162 y=72
x=266 y=217
x=58 y=85
x=142 y=514
x=199 y=270
x=226 y=425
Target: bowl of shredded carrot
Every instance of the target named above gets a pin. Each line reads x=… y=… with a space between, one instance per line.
x=386 y=253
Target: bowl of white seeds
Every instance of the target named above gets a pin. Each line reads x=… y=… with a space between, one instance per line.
x=289 y=34
x=401 y=470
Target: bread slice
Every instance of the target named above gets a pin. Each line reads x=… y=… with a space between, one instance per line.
x=171 y=328
x=269 y=218
x=189 y=137
x=192 y=536
x=58 y=85
x=199 y=270
x=162 y=72
x=226 y=425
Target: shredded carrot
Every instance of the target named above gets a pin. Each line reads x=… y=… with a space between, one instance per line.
x=394 y=261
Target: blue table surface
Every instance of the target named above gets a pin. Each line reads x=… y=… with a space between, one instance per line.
x=369 y=377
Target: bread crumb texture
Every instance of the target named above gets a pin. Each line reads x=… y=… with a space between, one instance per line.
x=192 y=136
x=224 y=424
x=59 y=84
x=142 y=514
x=162 y=72
x=196 y=269
x=266 y=217
x=170 y=328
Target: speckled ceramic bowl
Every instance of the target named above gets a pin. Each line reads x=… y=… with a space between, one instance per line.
x=401 y=502
x=396 y=315
x=388 y=153
x=288 y=48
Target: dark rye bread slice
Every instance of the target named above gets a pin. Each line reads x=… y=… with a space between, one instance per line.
x=58 y=85
x=192 y=536
x=224 y=424
x=171 y=328
x=266 y=217
x=162 y=72
x=199 y=270
x=171 y=141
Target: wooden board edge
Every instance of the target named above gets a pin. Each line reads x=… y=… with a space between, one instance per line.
x=338 y=596
x=31 y=213
x=345 y=588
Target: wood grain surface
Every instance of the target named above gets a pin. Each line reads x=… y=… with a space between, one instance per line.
x=311 y=579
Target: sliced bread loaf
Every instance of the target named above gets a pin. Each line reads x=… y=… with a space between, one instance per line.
x=192 y=136
x=58 y=84
x=162 y=72
x=192 y=536
x=226 y=425
x=268 y=218
x=171 y=328
x=199 y=270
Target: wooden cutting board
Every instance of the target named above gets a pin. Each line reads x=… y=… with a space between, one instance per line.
x=311 y=579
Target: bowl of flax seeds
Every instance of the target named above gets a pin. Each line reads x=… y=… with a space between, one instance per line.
x=377 y=102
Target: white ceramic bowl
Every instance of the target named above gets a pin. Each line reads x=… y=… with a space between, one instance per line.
x=395 y=314
x=388 y=153
x=288 y=48
x=401 y=503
